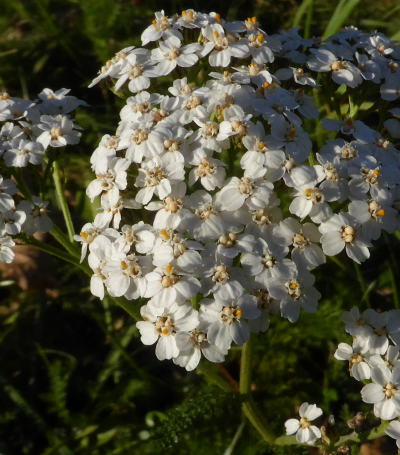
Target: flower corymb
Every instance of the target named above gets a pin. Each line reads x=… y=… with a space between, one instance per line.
x=237 y=204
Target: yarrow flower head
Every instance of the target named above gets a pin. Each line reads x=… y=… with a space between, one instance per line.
x=208 y=162
x=29 y=131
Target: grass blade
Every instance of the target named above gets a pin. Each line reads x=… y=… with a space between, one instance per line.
x=339 y=16
x=301 y=11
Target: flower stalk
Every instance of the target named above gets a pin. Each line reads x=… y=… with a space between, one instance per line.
x=249 y=407
x=62 y=201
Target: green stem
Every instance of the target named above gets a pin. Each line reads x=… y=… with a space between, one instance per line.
x=361 y=281
x=245 y=369
x=335 y=260
x=62 y=201
x=236 y=437
x=57 y=252
x=132 y=307
x=355 y=437
x=250 y=409
x=21 y=185
x=353 y=107
x=107 y=314
x=63 y=240
x=307 y=27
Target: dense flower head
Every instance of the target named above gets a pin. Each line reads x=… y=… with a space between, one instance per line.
x=208 y=160
x=28 y=131
x=373 y=358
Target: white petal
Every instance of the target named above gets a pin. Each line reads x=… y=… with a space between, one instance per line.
x=291 y=425
x=166 y=348
x=372 y=393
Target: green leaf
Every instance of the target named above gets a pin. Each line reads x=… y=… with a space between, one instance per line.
x=341 y=90
x=285 y=441
x=396 y=36
x=86 y=431
x=103 y=438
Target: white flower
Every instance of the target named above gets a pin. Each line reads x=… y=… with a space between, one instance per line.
x=342 y=231
x=156 y=177
x=16 y=109
x=262 y=47
x=6 y=253
x=305 y=432
x=165 y=286
x=310 y=200
x=393 y=430
x=191 y=345
x=299 y=75
x=207 y=135
x=100 y=253
x=222 y=49
x=111 y=210
x=172 y=248
x=58 y=102
x=113 y=66
x=171 y=54
x=369 y=69
x=210 y=171
x=112 y=181
x=359 y=368
x=11 y=221
x=291 y=136
x=383 y=392
x=343 y=71
x=379 y=45
x=7 y=190
x=294 y=294
x=268 y=263
x=105 y=150
x=58 y=131
x=255 y=193
x=24 y=152
x=139 y=237
x=277 y=105
x=230 y=245
x=161 y=324
x=358 y=129
x=226 y=319
x=214 y=226
x=170 y=212
x=304 y=238
x=36 y=216
x=374 y=217
x=137 y=69
x=221 y=279
x=136 y=138
x=207 y=222
x=88 y=233
x=161 y=27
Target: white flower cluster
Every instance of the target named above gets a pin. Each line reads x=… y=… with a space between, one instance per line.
x=213 y=159
x=374 y=358
x=27 y=130
x=306 y=433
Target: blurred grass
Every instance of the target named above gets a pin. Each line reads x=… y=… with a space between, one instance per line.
x=75 y=379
